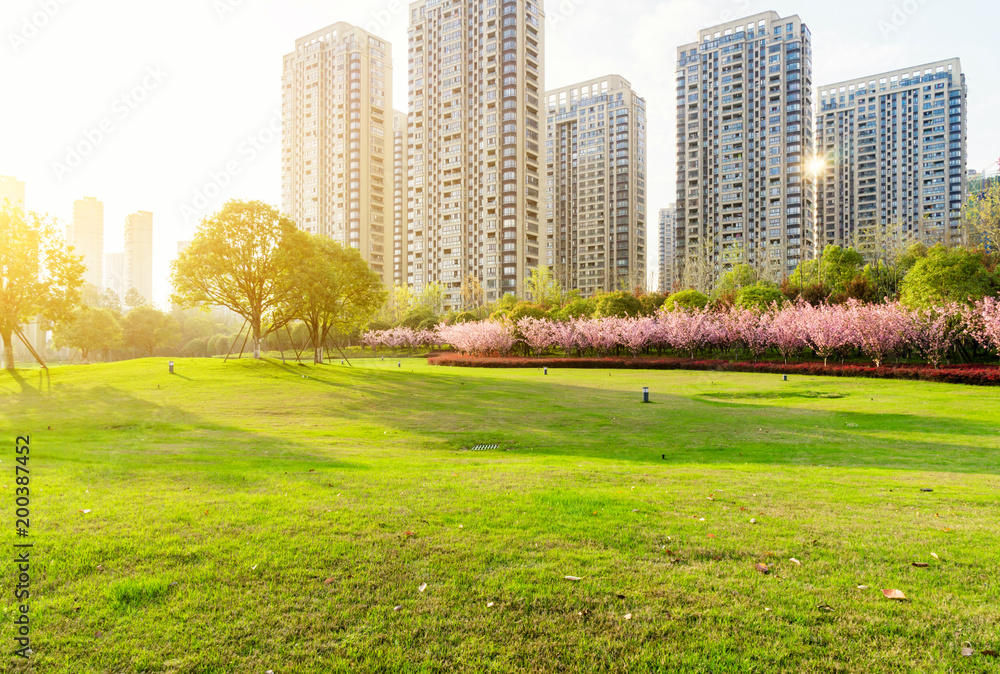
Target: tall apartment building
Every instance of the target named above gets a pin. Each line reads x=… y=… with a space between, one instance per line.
x=400 y=198
x=12 y=189
x=476 y=78
x=744 y=141
x=86 y=235
x=336 y=134
x=895 y=153
x=139 y=254
x=595 y=187
x=114 y=273
x=669 y=263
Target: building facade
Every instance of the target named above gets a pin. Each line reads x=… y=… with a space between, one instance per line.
x=476 y=80
x=86 y=235
x=895 y=153
x=595 y=186
x=337 y=138
x=400 y=198
x=12 y=189
x=138 y=256
x=668 y=279
x=744 y=140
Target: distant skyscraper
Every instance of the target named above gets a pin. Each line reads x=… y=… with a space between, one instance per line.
x=114 y=273
x=744 y=139
x=894 y=147
x=596 y=186
x=476 y=78
x=336 y=139
x=400 y=198
x=139 y=254
x=669 y=263
x=12 y=189
x=86 y=235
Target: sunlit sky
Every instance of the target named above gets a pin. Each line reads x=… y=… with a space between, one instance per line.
x=183 y=88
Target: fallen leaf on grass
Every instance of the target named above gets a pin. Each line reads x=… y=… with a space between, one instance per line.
x=762 y=568
x=329 y=581
x=862 y=587
x=935 y=556
x=992 y=654
x=573 y=578
x=753 y=521
x=397 y=608
x=921 y=565
x=894 y=594
x=826 y=607
x=85 y=511
x=253 y=568
x=795 y=561
x=489 y=604
x=628 y=616
x=968 y=651
x=423 y=586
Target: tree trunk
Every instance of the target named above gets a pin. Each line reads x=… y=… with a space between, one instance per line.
x=8 y=350
x=318 y=357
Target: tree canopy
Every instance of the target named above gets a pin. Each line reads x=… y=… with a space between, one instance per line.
x=147 y=328
x=336 y=290
x=39 y=275
x=91 y=330
x=949 y=275
x=237 y=259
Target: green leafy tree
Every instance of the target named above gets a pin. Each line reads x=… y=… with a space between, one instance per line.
x=109 y=300
x=432 y=298
x=236 y=260
x=39 y=275
x=339 y=292
x=148 y=328
x=981 y=215
x=91 y=330
x=949 y=275
x=834 y=270
x=578 y=308
x=758 y=296
x=542 y=288
x=134 y=299
x=686 y=299
x=618 y=304
x=741 y=276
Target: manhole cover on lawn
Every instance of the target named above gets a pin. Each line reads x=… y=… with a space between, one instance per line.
x=483 y=448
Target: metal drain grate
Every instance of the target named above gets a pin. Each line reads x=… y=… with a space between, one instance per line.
x=483 y=448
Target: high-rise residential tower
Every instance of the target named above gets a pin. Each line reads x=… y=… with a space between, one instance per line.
x=476 y=80
x=894 y=149
x=139 y=254
x=595 y=186
x=86 y=235
x=400 y=198
x=336 y=166
x=744 y=144
x=669 y=264
x=12 y=189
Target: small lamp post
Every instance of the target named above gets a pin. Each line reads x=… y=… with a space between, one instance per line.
x=170 y=365
x=645 y=394
x=546 y=370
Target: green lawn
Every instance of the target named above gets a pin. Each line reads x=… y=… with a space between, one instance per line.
x=253 y=516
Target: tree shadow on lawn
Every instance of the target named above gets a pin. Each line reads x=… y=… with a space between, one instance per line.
x=96 y=424
x=560 y=419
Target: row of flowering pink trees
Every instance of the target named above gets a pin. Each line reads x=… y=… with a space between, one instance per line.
x=877 y=331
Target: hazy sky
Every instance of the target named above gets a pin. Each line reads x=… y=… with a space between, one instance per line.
x=170 y=94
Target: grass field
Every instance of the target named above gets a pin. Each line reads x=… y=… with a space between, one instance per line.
x=254 y=516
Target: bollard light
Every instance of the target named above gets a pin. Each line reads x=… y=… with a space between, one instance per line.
x=546 y=370
x=645 y=394
x=786 y=378
x=171 y=366
x=399 y=364
x=341 y=361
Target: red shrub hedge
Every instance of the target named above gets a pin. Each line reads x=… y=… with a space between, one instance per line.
x=980 y=375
